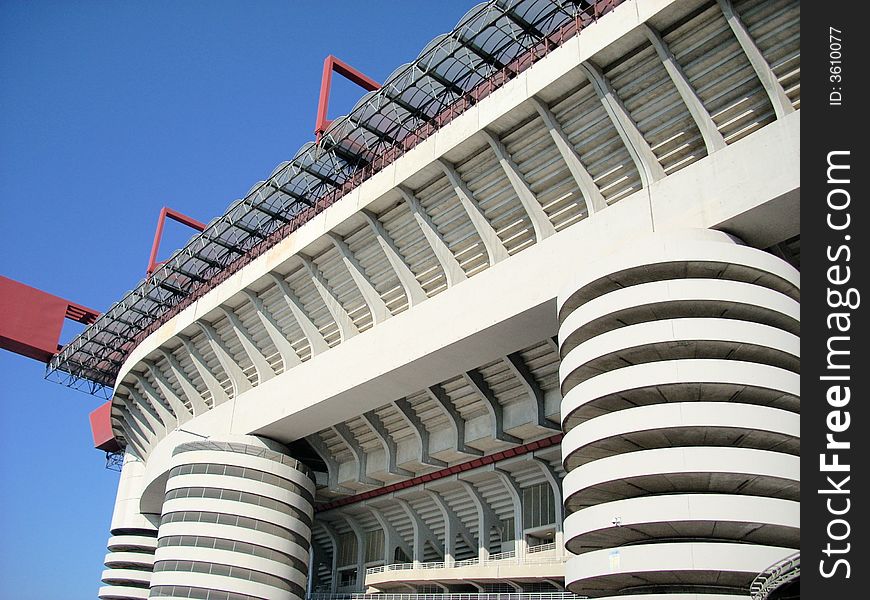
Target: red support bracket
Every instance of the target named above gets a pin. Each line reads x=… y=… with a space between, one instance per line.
x=168 y=213
x=348 y=72
x=31 y=320
x=101 y=428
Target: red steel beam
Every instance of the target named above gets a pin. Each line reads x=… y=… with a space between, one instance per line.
x=168 y=213
x=31 y=320
x=348 y=72
x=455 y=469
x=101 y=428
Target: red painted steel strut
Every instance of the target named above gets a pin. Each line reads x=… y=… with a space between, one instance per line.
x=30 y=325
x=348 y=72
x=31 y=320
x=168 y=213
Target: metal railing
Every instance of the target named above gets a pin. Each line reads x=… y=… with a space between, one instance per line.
x=491 y=596
x=776 y=575
x=501 y=559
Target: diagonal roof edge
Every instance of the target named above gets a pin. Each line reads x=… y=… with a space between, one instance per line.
x=492 y=43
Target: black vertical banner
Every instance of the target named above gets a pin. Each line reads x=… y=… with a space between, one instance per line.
x=835 y=363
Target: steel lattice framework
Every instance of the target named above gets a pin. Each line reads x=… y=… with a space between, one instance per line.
x=490 y=45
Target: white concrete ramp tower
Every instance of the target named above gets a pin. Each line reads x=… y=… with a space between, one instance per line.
x=133 y=540
x=680 y=405
x=236 y=523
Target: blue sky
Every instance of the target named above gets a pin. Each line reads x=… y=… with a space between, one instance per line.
x=108 y=111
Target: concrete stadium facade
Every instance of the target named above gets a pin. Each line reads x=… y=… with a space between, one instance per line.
x=551 y=350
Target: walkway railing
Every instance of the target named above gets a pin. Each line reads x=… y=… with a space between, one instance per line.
x=493 y=596
x=501 y=559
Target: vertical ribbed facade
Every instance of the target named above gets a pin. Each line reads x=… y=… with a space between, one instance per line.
x=680 y=385
x=236 y=523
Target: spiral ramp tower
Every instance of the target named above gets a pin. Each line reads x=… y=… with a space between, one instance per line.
x=679 y=376
x=236 y=518
x=130 y=558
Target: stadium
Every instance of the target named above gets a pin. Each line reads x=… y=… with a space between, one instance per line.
x=523 y=325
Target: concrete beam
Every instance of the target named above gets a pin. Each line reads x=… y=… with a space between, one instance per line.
x=422 y=532
x=146 y=410
x=540 y=221
x=135 y=443
x=439 y=395
x=644 y=159
x=390 y=453
x=133 y=424
x=288 y=354
x=360 y=534
x=536 y=394
x=359 y=454
x=333 y=538
x=168 y=392
x=516 y=495
x=452 y=526
x=392 y=538
x=778 y=98
x=495 y=250
x=376 y=305
x=413 y=290
x=165 y=416
x=218 y=395
x=713 y=139
x=238 y=379
x=416 y=425
x=264 y=369
x=156 y=399
x=315 y=441
x=191 y=393
x=346 y=327
x=556 y=487
x=309 y=329
x=486 y=518
x=591 y=194
x=475 y=379
x=452 y=270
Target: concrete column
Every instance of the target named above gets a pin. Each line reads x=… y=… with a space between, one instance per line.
x=713 y=140
x=360 y=551
x=130 y=559
x=644 y=159
x=778 y=98
x=236 y=519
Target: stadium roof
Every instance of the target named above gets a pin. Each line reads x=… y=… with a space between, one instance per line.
x=491 y=44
